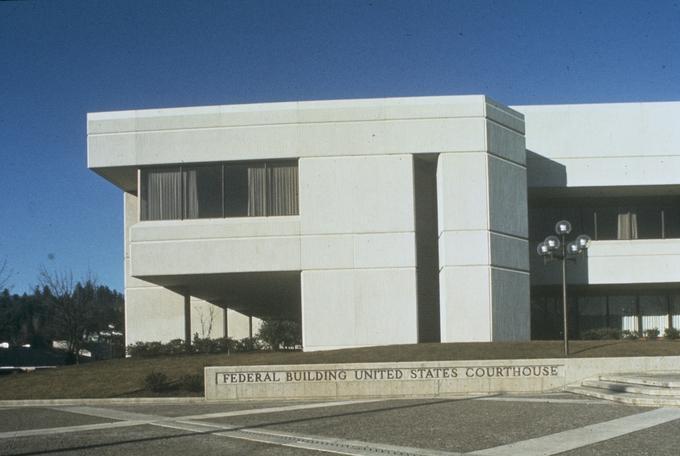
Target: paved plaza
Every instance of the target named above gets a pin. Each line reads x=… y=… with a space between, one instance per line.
x=548 y=424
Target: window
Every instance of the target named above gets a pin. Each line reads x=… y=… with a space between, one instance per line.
x=248 y=189
x=609 y=218
x=161 y=194
x=202 y=190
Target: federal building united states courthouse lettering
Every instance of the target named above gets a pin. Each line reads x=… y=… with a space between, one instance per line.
x=393 y=221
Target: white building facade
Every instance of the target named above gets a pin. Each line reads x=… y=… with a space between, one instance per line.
x=391 y=221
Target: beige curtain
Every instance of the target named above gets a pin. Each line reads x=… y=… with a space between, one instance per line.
x=283 y=189
x=257 y=190
x=163 y=194
x=190 y=193
x=627 y=226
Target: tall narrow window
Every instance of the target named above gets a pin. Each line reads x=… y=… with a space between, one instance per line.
x=257 y=190
x=235 y=190
x=627 y=226
x=282 y=183
x=161 y=194
x=202 y=191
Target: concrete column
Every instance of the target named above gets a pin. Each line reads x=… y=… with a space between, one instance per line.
x=483 y=248
x=357 y=251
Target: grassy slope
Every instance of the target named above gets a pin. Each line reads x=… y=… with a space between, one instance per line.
x=125 y=377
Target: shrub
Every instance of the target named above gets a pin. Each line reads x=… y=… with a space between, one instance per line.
x=146 y=349
x=174 y=347
x=631 y=335
x=199 y=345
x=601 y=334
x=652 y=334
x=671 y=333
x=191 y=383
x=279 y=334
x=248 y=344
x=157 y=382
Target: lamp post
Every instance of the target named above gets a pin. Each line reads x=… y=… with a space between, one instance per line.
x=556 y=248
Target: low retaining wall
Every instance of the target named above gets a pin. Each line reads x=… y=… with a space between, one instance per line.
x=413 y=379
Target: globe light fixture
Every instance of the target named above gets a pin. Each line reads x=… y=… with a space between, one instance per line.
x=563 y=227
x=556 y=248
x=553 y=243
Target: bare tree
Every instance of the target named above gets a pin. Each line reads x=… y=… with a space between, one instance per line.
x=206 y=320
x=73 y=308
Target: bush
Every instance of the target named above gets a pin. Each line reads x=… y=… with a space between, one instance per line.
x=199 y=345
x=631 y=335
x=601 y=334
x=279 y=334
x=671 y=333
x=248 y=344
x=192 y=383
x=151 y=349
x=157 y=382
x=652 y=334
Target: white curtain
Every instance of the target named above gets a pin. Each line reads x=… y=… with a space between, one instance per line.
x=191 y=193
x=163 y=194
x=257 y=191
x=283 y=189
x=627 y=226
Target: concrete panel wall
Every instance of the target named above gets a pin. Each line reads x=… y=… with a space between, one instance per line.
x=353 y=308
x=510 y=305
x=620 y=144
x=483 y=248
x=349 y=127
x=152 y=313
x=616 y=262
x=358 y=251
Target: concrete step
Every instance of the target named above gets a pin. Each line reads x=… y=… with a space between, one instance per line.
x=652 y=389
x=627 y=398
x=656 y=379
x=629 y=387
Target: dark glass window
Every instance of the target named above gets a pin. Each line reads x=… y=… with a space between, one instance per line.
x=671 y=216
x=592 y=313
x=202 y=191
x=608 y=218
x=648 y=222
x=235 y=190
x=250 y=189
x=607 y=223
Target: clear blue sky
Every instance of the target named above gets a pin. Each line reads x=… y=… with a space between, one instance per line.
x=60 y=59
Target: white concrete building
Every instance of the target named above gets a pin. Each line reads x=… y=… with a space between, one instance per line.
x=392 y=221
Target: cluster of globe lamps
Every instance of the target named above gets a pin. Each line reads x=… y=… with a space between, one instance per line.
x=555 y=247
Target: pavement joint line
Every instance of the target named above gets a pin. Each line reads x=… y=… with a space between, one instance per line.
x=137 y=419
x=309 y=442
x=68 y=429
x=285 y=408
x=587 y=435
x=107 y=413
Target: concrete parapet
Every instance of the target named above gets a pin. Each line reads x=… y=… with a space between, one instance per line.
x=415 y=379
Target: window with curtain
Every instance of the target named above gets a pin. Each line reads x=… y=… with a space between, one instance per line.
x=244 y=189
x=202 y=191
x=161 y=194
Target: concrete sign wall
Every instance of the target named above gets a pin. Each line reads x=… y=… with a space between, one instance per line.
x=330 y=381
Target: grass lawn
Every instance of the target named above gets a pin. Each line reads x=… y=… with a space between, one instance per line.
x=125 y=377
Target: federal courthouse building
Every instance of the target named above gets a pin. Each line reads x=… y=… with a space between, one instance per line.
x=393 y=221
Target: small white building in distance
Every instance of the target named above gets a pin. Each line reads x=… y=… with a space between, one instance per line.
x=393 y=221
